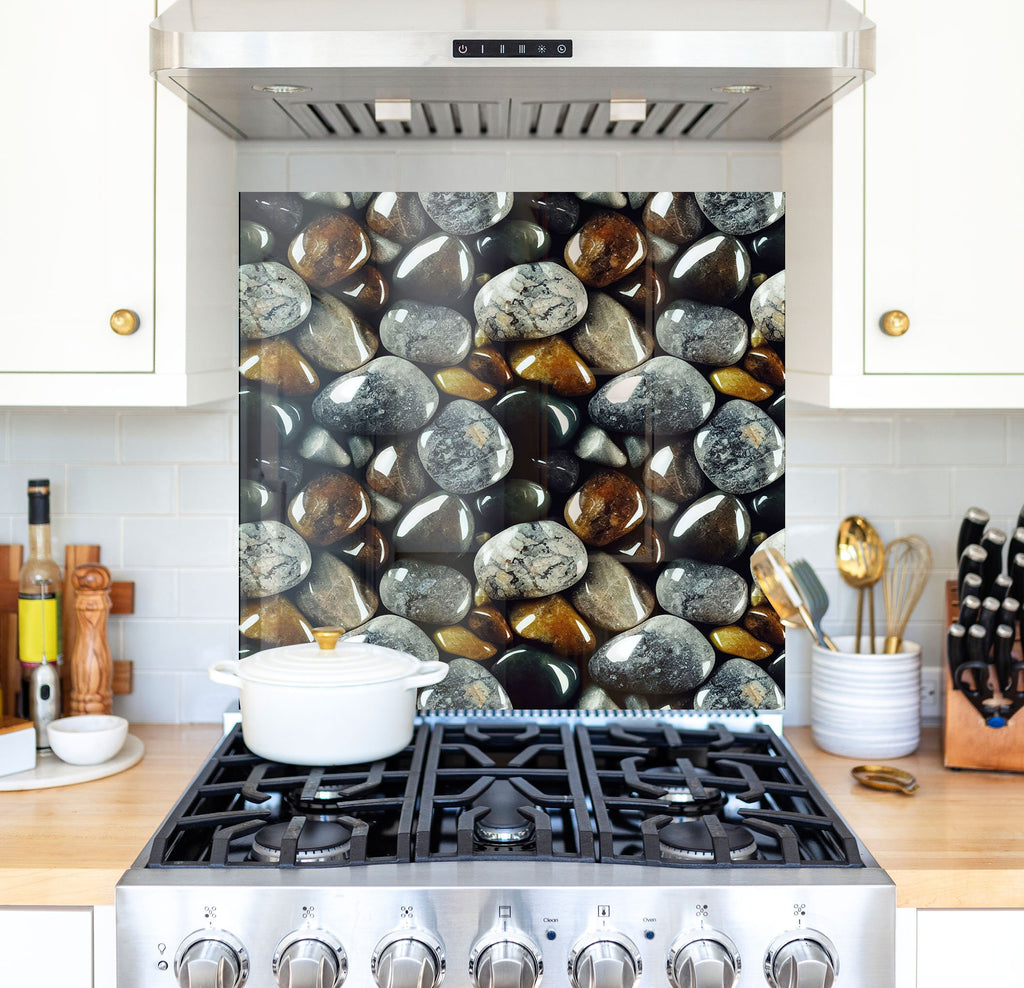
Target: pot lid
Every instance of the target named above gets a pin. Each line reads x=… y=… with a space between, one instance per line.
x=347 y=664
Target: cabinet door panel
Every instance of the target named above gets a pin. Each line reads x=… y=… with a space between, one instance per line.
x=944 y=212
x=42 y=946
x=77 y=238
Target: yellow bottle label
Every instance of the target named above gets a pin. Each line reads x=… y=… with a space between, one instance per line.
x=38 y=629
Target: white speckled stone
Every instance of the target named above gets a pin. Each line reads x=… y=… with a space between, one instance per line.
x=271 y=300
x=530 y=302
x=272 y=558
x=532 y=559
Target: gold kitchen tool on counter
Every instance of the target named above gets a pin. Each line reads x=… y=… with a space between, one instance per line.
x=885 y=777
x=908 y=564
x=860 y=559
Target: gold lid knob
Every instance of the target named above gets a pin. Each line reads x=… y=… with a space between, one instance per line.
x=327 y=638
x=124 y=322
x=895 y=323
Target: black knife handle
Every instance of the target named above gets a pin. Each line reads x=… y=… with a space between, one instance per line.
x=1009 y=612
x=988 y=618
x=970 y=607
x=1020 y=517
x=1000 y=587
x=955 y=650
x=971 y=528
x=993 y=542
x=977 y=662
x=1016 y=544
x=971 y=586
x=972 y=560
x=1001 y=658
x=1016 y=570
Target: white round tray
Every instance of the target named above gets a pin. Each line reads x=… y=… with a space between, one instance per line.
x=50 y=771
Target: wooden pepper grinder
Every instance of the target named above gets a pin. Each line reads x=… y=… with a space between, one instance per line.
x=92 y=670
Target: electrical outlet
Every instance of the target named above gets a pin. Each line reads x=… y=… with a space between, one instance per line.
x=931 y=694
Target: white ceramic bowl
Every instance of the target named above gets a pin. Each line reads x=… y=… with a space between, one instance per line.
x=88 y=739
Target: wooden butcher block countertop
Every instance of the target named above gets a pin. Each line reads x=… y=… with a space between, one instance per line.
x=958 y=843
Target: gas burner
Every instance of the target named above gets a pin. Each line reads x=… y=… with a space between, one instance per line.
x=319 y=843
x=682 y=801
x=327 y=803
x=502 y=824
x=691 y=841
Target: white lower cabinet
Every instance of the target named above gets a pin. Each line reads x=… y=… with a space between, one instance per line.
x=47 y=947
x=969 y=947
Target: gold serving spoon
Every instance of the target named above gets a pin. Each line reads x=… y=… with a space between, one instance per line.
x=860 y=559
x=775 y=579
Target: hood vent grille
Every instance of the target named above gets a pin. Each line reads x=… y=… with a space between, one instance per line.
x=574 y=119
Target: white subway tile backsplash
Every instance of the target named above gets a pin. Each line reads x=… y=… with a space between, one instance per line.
x=203 y=701
x=897 y=492
x=156 y=591
x=175 y=437
x=209 y=490
x=926 y=439
x=117 y=489
x=209 y=593
x=14 y=478
x=812 y=493
x=178 y=645
x=155 y=698
x=180 y=542
x=815 y=440
x=1000 y=490
x=101 y=530
x=76 y=437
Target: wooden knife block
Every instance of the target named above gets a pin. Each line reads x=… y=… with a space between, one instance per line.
x=122 y=597
x=967 y=741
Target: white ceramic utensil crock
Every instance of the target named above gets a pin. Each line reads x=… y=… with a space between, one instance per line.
x=320 y=705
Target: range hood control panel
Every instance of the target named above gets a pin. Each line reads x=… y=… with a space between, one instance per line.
x=512 y=48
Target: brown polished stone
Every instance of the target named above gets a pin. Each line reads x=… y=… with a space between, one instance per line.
x=489 y=623
x=399 y=216
x=608 y=506
x=367 y=548
x=643 y=547
x=737 y=383
x=675 y=216
x=329 y=507
x=334 y=336
x=762 y=622
x=397 y=473
x=275 y=621
x=332 y=247
x=366 y=290
x=610 y=338
x=490 y=366
x=553 y=362
x=672 y=472
x=459 y=382
x=607 y=247
x=766 y=365
x=611 y=597
x=733 y=640
x=459 y=641
x=554 y=622
x=278 y=363
x=642 y=292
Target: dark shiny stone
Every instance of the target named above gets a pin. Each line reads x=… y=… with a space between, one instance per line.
x=398 y=216
x=536 y=421
x=703 y=334
x=763 y=623
x=776 y=410
x=662 y=656
x=739 y=684
x=610 y=338
x=281 y=212
x=330 y=507
x=256 y=501
x=768 y=507
x=777 y=670
x=715 y=269
x=464 y=449
x=672 y=472
x=740 y=448
x=334 y=595
x=765 y=364
x=437 y=269
x=439 y=523
x=675 y=216
x=702 y=592
x=769 y=247
x=557 y=471
x=334 y=336
x=255 y=242
x=468 y=686
x=279 y=470
x=607 y=247
x=607 y=507
x=396 y=472
x=644 y=547
x=268 y=421
x=610 y=596
x=642 y=292
x=513 y=242
x=742 y=212
x=366 y=291
x=489 y=623
x=513 y=502
x=330 y=248
x=427 y=592
x=426 y=334
x=490 y=366
x=536 y=680
x=558 y=212
x=365 y=551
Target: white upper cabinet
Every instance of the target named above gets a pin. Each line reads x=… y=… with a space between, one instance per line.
x=98 y=219
x=903 y=200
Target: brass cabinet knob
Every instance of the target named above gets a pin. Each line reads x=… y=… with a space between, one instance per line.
x=124 y=322
x=895 y=323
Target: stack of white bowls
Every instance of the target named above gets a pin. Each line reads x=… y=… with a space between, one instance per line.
x=863 y=705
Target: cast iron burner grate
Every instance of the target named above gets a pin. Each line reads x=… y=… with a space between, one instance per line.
x=502 y=790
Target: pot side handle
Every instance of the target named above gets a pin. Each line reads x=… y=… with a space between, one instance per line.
x=224 y=673
x=429 y=673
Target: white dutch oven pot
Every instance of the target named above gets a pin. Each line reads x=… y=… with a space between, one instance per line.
x=316 y=704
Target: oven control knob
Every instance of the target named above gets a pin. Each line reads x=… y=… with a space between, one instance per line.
x=311 y=959
x=413 y=959
x=709 y=960
x=507 y=962
x=610 y=962
x=211 y=959
x=801 y=959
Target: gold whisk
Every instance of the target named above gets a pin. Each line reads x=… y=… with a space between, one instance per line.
x=908 y=564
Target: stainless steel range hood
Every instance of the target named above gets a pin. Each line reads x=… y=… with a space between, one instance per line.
x=392 y=69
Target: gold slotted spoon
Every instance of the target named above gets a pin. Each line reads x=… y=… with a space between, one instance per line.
x=860 y=559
